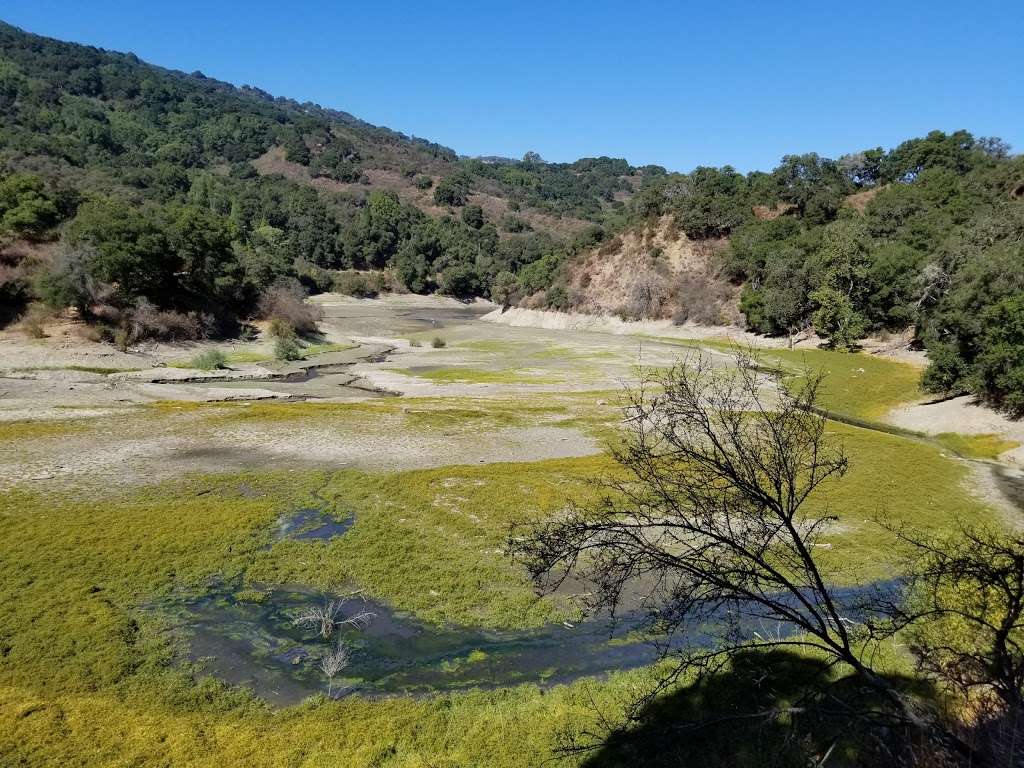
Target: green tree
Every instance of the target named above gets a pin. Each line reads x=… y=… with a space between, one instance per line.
x=814 y=185
x=836 y=319
x=503 y=288
x=473 y=216
x=452 y=190
x=26 y=208
x=999 y=369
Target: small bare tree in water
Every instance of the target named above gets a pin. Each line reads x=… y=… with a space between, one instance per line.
x=332 y=665
x=328 y=617
x=708 y=521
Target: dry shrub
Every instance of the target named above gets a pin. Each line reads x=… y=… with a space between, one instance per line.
x=146 y=321
x=34 y=320
x=286 y=302
x=646 y=295
x=704 y=296
x=610 y=246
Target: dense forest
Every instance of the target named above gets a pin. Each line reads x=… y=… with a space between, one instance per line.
x=135 y=194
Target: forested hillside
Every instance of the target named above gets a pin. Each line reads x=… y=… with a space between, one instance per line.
x=159 y=203
x=928 y=235
x=156 y=190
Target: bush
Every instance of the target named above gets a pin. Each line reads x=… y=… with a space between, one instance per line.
x=452 y=190
x=415 y=343
x=437 y=342
x=460 y=280
x=281 y=329
x=314 y=279
x=424 y=182
x=33 y=320
x=146 y=321
x=285 y=301
x=287 y=348
x=358 y=284
x=210 y=360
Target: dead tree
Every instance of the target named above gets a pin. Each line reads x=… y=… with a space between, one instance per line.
x=332 y=664
x=328 y=617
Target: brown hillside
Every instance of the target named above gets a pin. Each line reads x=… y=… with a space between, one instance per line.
x=654 y=271
x=495 y=208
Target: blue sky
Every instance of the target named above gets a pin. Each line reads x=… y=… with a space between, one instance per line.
x=678 y=84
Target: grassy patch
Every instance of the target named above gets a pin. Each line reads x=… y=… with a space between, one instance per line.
x=855 y=383
x=987 y=446
x=460 y=375
x=241 y=356
x=905 y=480
x=29 y=430
x=86 y=676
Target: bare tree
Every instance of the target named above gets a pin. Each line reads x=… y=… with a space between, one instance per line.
x=332 y=664
x=707 y=520
x=963 y=611
x=328 y=617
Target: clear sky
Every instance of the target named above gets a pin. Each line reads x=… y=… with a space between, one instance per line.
x=678 y=84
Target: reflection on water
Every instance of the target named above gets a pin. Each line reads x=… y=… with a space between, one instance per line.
x=311 y=524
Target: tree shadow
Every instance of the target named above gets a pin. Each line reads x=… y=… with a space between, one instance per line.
x=769 y=709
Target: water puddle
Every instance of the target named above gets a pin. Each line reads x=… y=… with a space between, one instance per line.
x=311 y=524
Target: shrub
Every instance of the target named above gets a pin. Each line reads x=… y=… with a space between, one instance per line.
x=646 y=295
x=285 y=301
x=424 y=182
x=32 y=321
x=437 y=342
x=146 y=321
x=287 y=348
x=415 y=343
x=314 y=279
x=358 y=284
x=452 y=190
x=210 y=360
x=460 y=280
x=281 y=329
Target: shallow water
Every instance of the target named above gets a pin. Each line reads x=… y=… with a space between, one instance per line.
x=311 y=524
x=256 y=644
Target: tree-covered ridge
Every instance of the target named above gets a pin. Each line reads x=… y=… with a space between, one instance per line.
x=144 y=175
x=929 y=235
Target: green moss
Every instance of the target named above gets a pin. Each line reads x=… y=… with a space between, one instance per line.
x=87 y=675
x=855 y=383
x=987 y=446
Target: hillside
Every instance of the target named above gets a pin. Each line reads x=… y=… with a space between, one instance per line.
x=654 y=271
x=162 y=204
x=194 y=196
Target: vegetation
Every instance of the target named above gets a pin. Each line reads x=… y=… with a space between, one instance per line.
x=210 y=360
x=709 y=524
x=121 y=161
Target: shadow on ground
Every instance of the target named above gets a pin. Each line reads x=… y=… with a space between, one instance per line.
x=771 y=709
